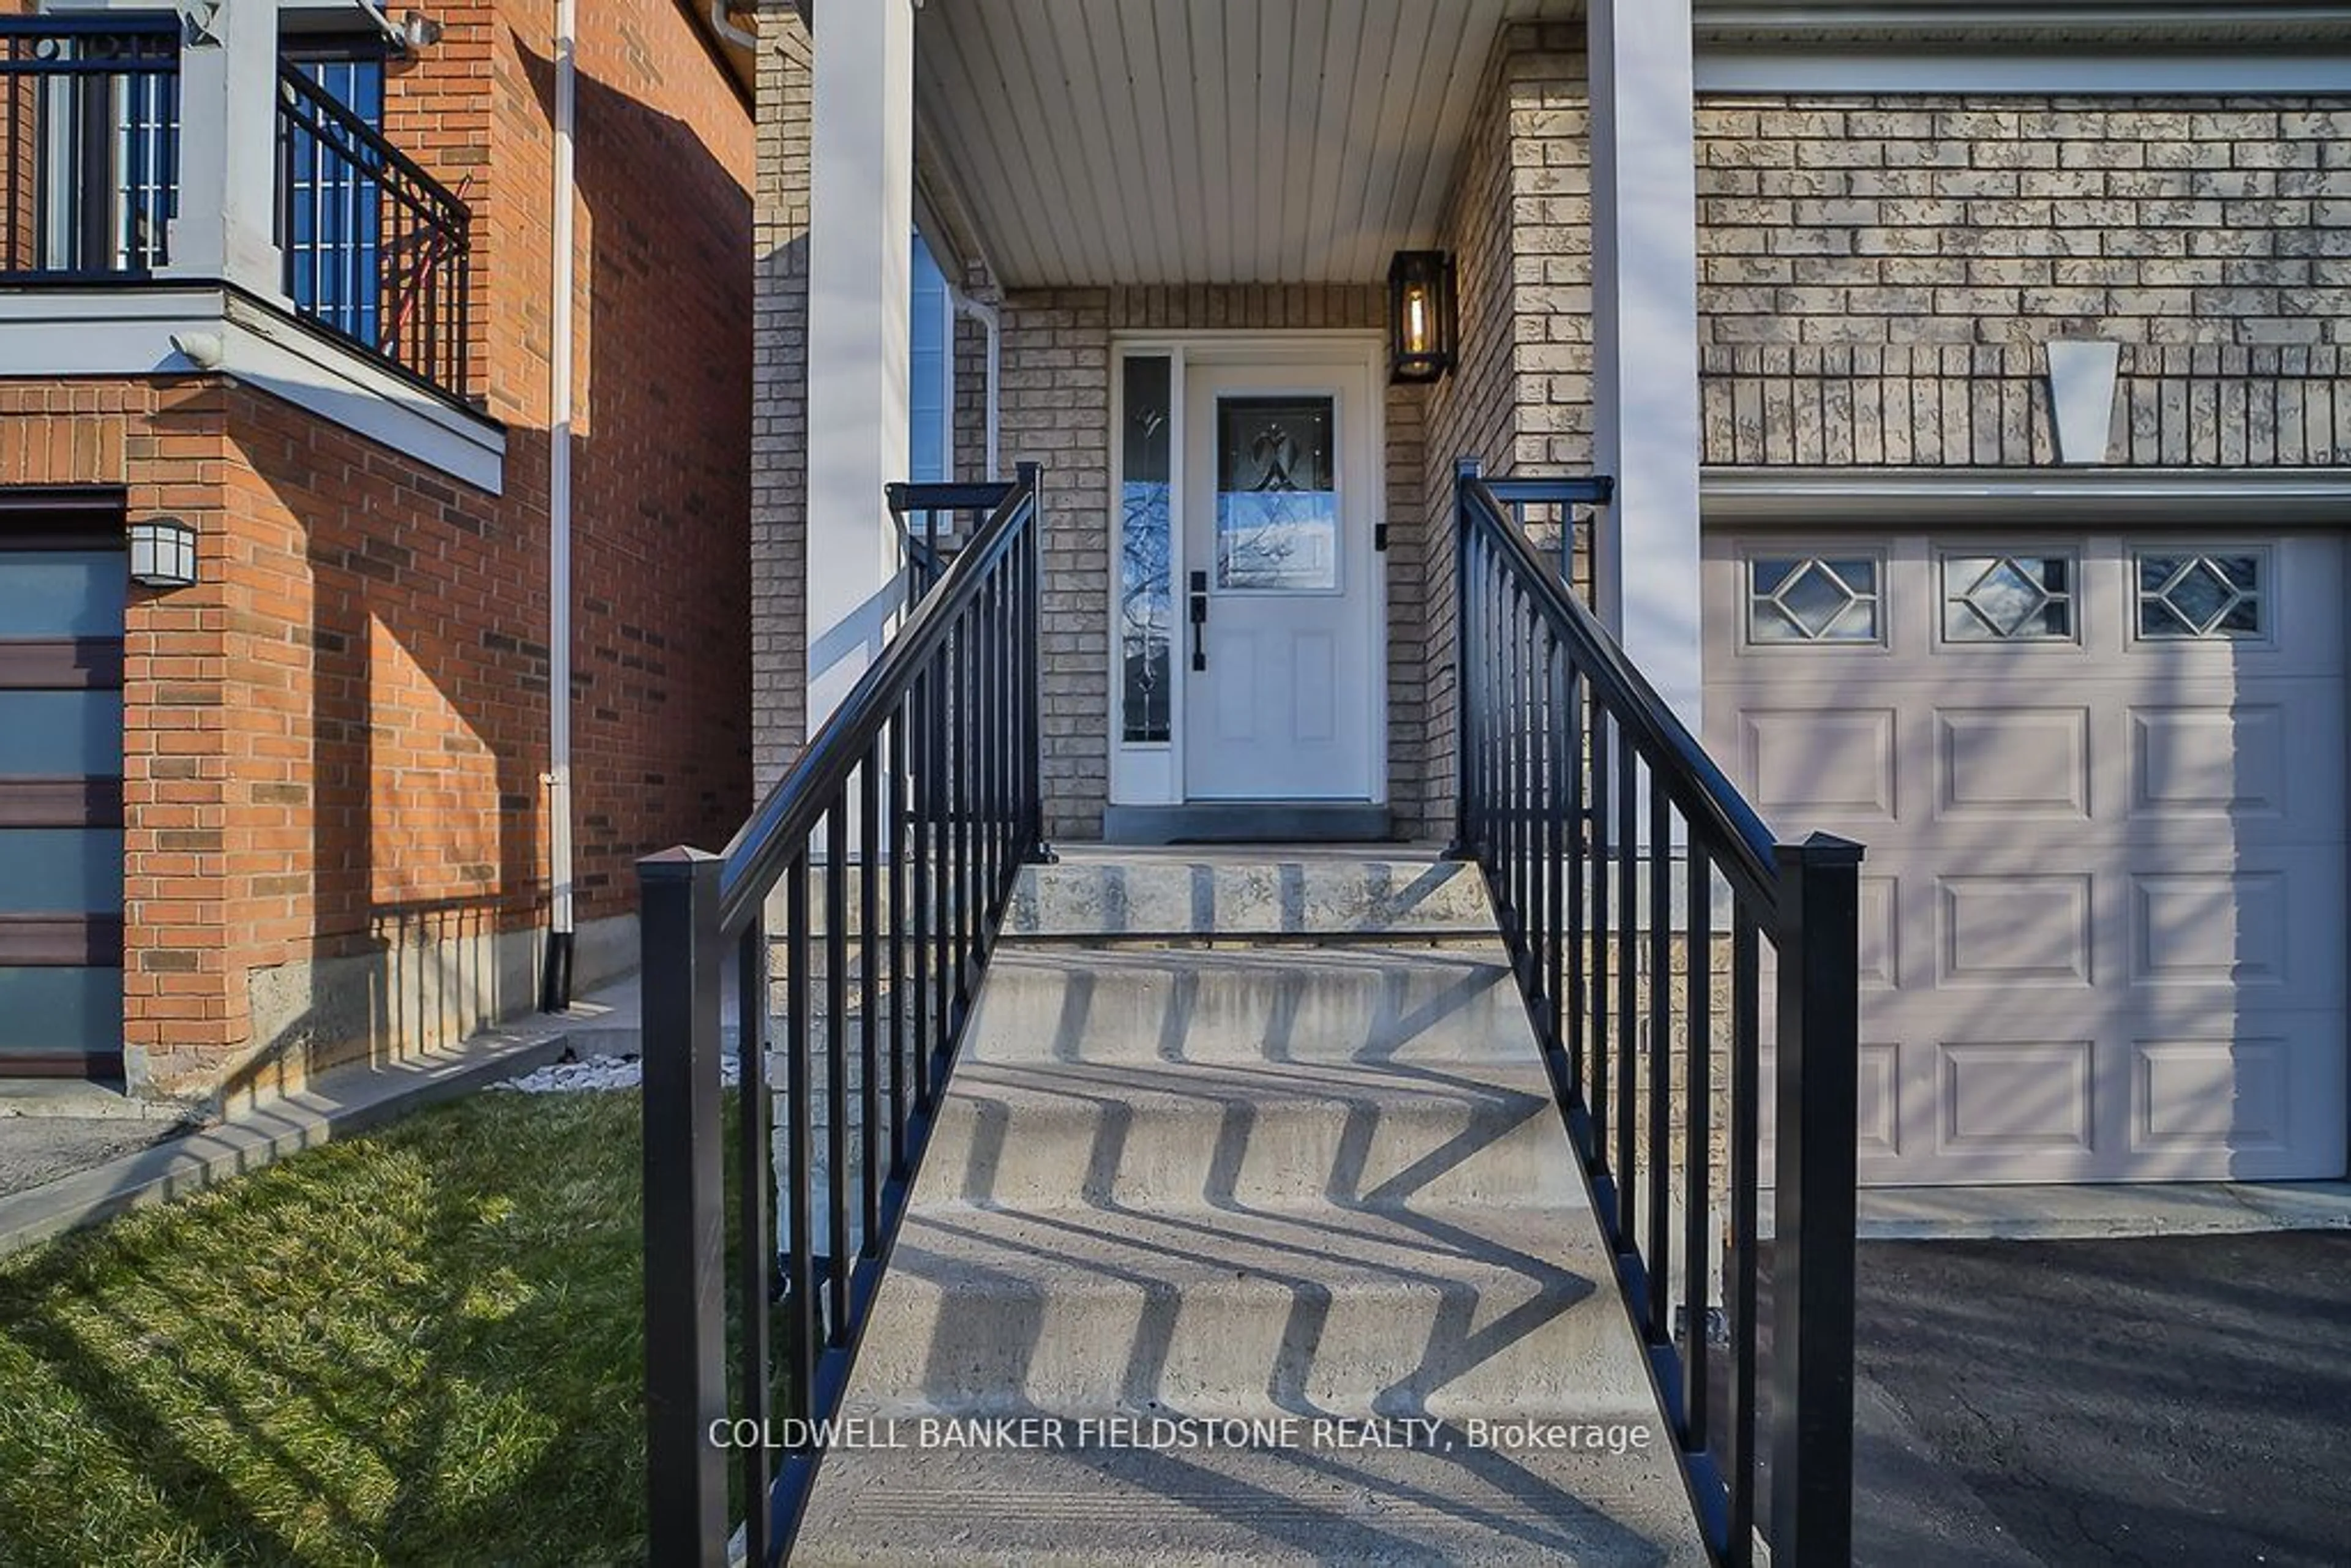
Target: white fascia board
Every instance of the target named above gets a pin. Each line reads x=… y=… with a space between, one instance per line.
x=2210 y=497
x=129 y=331
x=1939 y=69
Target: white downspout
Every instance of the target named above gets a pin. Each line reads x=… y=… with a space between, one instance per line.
x=992 y=324
x=555 y=990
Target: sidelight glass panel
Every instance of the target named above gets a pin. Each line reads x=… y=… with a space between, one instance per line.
x=1145 y=613
x=1276 y=500
x=61 y=593
x=61 y=734
x=60 y=1009
x=61 y=871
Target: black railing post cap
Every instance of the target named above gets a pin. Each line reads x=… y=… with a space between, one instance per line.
x=1819 y=850
x=680 y=864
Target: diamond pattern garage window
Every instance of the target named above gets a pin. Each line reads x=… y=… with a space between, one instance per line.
x=2188 y=596
x=1813 y=599
x=2008 y=599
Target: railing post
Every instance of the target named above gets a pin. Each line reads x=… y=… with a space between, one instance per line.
x=225 y=226
x=1812 y=1257
x=1463 y=846
x=1032 y=658
x=684 y=1215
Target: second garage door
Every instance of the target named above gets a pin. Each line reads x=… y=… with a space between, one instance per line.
x=2101 y=780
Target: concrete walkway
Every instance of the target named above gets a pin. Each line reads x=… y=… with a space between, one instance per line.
x=1253 y=1253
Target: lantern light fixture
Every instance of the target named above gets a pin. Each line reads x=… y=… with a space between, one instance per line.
x=163 y=553
x=1421 y=316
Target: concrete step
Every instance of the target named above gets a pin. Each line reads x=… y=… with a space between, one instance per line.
x=1240 y=1313
x=1350 y=1003
x=1084 y=1506
x=1218 y=1136
x=1139 y=893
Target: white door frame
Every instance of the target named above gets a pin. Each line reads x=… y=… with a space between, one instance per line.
x=1152 y=773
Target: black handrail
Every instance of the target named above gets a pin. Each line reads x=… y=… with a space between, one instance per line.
x=1580 y=789
x=90 y=121
x=386 y=265
x=911 y=811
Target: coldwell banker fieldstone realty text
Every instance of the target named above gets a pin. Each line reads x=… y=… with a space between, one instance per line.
x=1179 y=1432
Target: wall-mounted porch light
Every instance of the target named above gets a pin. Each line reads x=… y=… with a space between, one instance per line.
x=1420 y=315
x=163 y=553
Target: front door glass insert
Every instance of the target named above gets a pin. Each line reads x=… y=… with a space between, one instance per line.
x=1277 y=501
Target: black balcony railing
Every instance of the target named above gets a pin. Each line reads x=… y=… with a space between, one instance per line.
x=893 y=843
x=376 y=249
x=89 y=145
x=1607 y=836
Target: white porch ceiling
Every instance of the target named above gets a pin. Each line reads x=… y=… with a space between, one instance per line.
x=1109 y=141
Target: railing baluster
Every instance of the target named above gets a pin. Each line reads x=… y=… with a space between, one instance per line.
x=1628 y=971
x=897 y=850
x=1656 y=1241
x=837 y=1249
x=1698 y=970
x=1601 y=827
x=921 y=794
x=1746 y=1158
x=755 y=1175
x=869 y=998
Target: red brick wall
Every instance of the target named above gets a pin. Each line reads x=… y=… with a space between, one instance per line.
x=334 y=742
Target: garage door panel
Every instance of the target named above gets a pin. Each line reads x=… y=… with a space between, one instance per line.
x=1808 y=762
x=2035 y=931
x=2103 y=921
x=2006 y=763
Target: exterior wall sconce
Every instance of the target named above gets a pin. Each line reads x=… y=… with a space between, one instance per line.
x=1421 y=323
x=163 y=553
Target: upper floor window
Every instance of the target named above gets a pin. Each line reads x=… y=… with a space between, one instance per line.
x=930 y=373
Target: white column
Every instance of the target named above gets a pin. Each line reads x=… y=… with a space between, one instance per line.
x=861 y=264
x=1644 y=332
x=225 y=227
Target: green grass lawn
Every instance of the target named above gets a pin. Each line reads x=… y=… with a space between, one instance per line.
x=423 y=1346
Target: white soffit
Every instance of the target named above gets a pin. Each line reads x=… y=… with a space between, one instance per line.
x=1109 y=141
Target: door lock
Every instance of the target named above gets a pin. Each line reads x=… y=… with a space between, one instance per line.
x=1199 y=619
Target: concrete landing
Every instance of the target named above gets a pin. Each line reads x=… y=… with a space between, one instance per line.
x=1267 y=1230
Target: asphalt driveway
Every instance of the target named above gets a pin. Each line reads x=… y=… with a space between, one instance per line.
x=2166 y=1400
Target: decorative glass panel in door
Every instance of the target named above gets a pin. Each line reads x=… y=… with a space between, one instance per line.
x=1277 y=504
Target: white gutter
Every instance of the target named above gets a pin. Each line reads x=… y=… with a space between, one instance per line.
x=555 y=990
x=992 y=324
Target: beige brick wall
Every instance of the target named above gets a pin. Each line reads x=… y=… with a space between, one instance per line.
x=1878 y=275
x=1518 y=223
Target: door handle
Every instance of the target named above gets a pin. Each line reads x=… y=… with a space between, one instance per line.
x=1199 y=619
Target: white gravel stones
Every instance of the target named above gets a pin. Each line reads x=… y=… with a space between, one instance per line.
x=597 y=1074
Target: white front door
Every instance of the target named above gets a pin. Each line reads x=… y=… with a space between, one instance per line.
x=1280 y=665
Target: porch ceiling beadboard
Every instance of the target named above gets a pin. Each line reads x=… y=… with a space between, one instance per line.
x=1141 y=142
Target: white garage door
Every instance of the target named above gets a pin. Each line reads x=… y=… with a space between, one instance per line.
x=2101 y=781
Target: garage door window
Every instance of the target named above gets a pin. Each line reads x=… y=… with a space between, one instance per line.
x=1813 y=599
x=2008 y=598
x=2188 y=596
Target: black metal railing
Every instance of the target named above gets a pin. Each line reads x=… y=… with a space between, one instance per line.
x=89 y=145
x=1983 y=405
x=892 y=846
x=936 y=521
x=1649 y=912
x=376 y=249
